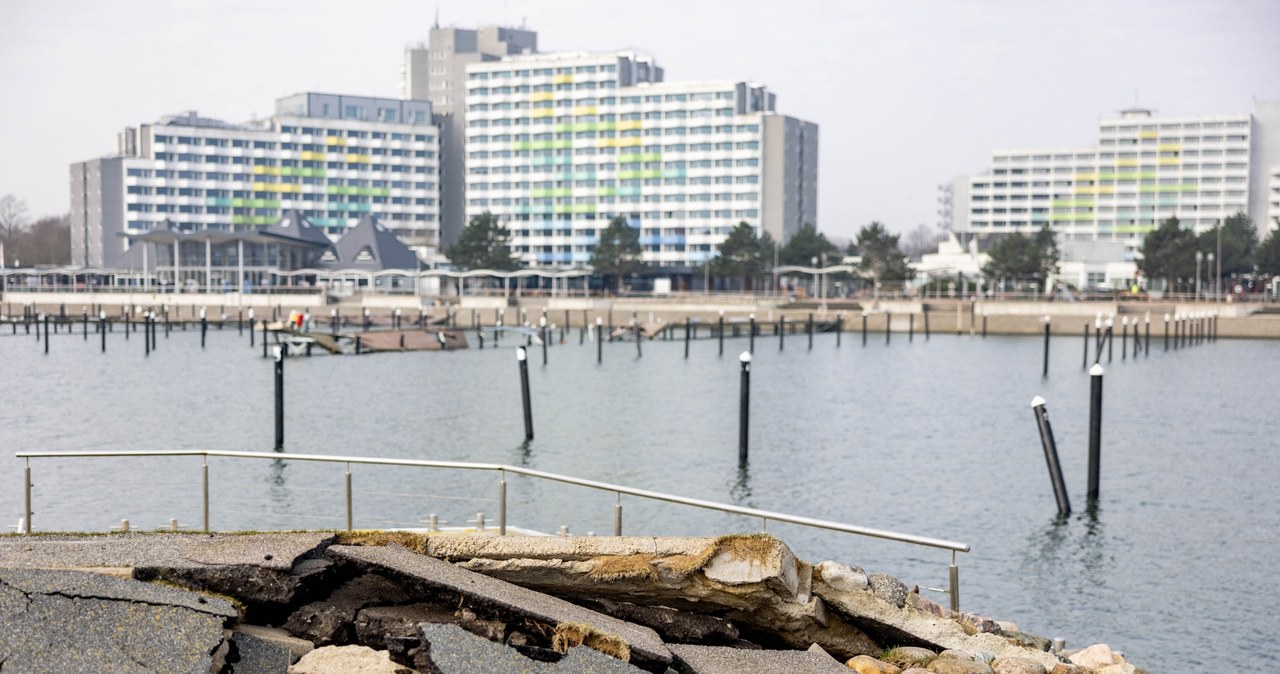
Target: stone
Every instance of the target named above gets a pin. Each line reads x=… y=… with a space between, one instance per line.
x=865 y=664
x=722 y=660
x=331 y=620
x=347 y=660
x=1066 y=668
x=909 y=656
x=1096 y=656
x=980 y=623
x=916 y=670
x=948 y=666
x=1028 y=640
x=887 y=588
x=953 y=654
x=449 y=649
x=680 y=627
x=1017 y=666
x=427 y=575
x=375 y=623
x=69 y=621
x=842 y=577
x=1118 y=668
x=756 y=559
x=1008 y=626
x=926 y=605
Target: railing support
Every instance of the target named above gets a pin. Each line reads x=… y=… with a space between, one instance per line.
x=26 y=492
x=502 y=503
x=204 y=492
x=348 y=479
x=617 y=515
x=955 y=584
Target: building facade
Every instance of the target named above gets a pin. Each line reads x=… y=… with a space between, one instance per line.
x=332 y=158
x=559 y=144
x=436 y=72
x=1143 y=170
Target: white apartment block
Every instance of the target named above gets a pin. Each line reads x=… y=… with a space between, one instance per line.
x=559 y=144
x=1143 y=170
x=333 y=158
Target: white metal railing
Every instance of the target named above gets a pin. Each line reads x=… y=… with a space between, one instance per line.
x=618 y=490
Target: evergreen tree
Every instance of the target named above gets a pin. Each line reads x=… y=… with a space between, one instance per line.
x=483 y=244
x=805 y=245
x=1267 y=256
x=1168 y=252
x=743 y=254
x=617 y=251
x=882 y=257
x=1024 y=258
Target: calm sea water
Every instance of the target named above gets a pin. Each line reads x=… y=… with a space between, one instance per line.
x=931 y=438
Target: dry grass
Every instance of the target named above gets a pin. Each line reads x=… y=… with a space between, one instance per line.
x=410 y=540
x=568 y=635
x=624 y=567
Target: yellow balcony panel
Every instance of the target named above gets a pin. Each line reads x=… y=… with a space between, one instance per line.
x=1169 y=161
x=1147 y=134
x=607 y=142
x=1169 y=147
x=629 y=124
x=335 y=140
x=583 y=110
x=630 y=142
x=562 y=79
x=1086 y=176
x=359 y=158
x=1126 y=162
x=539 y=96
x=1084 y=189
x=542 y=112
x=1106 y=189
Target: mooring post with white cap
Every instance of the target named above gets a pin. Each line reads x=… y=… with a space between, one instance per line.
x=864 y=328
x=839 y=328
x=751 y=341
x=599 y=340
x=744 y=405
x=542 y=332
x=1124 y=337
x=1110 y=337
x=720 y=332
x=204 y=326
x=1045 y=372
x=1095 y=430
x=1086 y=345
x=1146 y=338
x=280 y=352
x=102 y=328
x=522 y=358
x=1051 y=456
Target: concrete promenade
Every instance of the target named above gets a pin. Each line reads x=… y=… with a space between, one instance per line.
x=945 y=316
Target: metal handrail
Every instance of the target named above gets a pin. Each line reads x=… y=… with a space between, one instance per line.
x=502 y=469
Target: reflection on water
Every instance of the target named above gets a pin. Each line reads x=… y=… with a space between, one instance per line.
x=740 y=493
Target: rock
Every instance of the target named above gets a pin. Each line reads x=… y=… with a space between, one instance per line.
x=909 y=656
x=1017 y=666
x=347 y=660
x=947 y=666
x=427 y=576
x=887 y=588
x=744 y=560
x=924 y=605
x=1118 y=668
x=916 y=670
x=1096 y=656
x=1028 y=640
x=331 y=621
x=842 y=576
x=1065 y=668
x=680 y=627
x=974 y=624
x=722 y=660
x=70 y=621
x=865 y=664
x=375 y=623
x=1008 y=626
x=953 y=654
x=450 y=649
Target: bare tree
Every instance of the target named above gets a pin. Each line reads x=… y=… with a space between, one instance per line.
x=921 y=240
x=13 y=217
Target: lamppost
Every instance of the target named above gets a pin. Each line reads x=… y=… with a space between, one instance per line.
x=814 y=263
x=1199 y=257
x=1208 y=269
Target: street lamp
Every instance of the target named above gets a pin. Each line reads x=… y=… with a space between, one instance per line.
x=814 y=263
x=1209 y=270
x=1199 y=257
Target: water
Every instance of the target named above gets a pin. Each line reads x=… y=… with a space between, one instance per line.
x=934 y=439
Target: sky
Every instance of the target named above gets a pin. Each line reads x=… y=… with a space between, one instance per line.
x=907 y=93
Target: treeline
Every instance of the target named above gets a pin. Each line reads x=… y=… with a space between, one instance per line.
x=1170 y=252
x=46 y=241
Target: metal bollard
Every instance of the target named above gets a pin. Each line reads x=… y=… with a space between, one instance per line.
x=1095 y=431
x=1051 y=456
x=744 y=405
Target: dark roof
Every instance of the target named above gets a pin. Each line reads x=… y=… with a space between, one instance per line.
x=294 y=227
x=371 y=246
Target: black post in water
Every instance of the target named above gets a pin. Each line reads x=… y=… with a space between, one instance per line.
x=782 y=331
x=688 y=327
x=264 y=339
x=1045 y=372
x=85 y=315
x=542 y=330
x=166 y=322
x=240 y=322
x=744 y=406
x=720 y=332
x=1086 y=346
x=358 y=345
x=888 y=320
x=864 y=328
x=809 y=329
x=146 y=334
x=155 y=331
x=924 y=309
x=984 y=325
x=46 y=333
x=281 y=352
x=204 y=326
x=1166 y=332
x=1110 y=338
x=839 y=328
x=599 y=340
x=1051 y=457
x=911 y=328
x=1146 y=338
x=1095 y=430
x=102 y=327
x=521 y=357
x=1124 y=338
x=635 y=330
x=751 y=341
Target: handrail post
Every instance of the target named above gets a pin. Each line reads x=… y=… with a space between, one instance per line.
x=955 y=584
x=204 y=491
x=348 y=478
x=26 y=492
x=502 y=503
x=617 y=514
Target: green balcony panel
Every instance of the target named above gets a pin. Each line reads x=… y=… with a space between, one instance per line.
x=628 y=175
x=606 y=191
x=673 y=173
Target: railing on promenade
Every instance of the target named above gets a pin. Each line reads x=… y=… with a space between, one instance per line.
x=764 y=516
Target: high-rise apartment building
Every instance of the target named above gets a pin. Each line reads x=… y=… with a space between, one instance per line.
x=332 y=158
x=558 y=144
x=436 y=72
x=1143 y=170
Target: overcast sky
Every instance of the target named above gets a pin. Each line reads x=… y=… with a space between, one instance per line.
x=907 y=93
